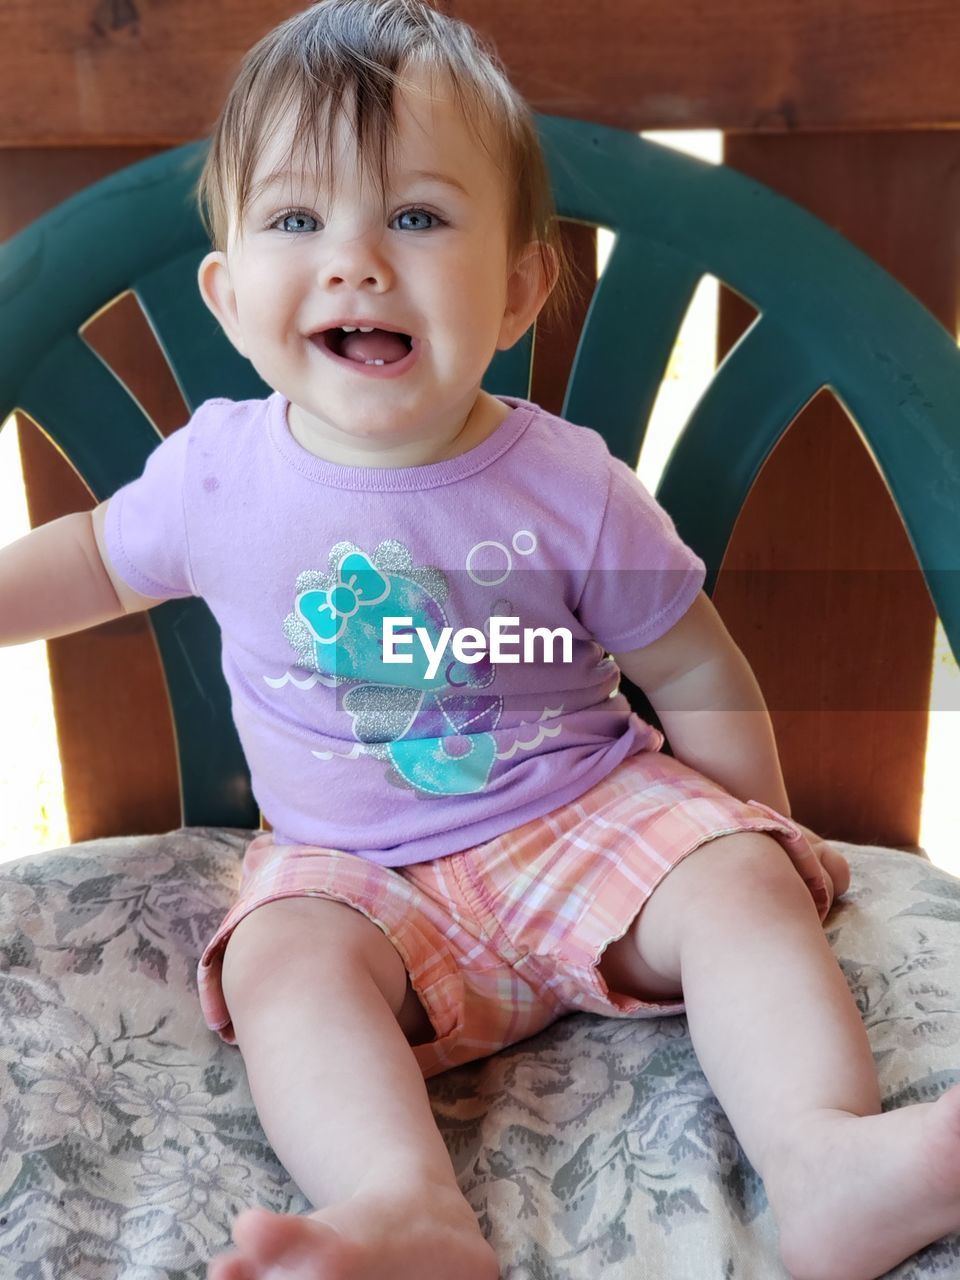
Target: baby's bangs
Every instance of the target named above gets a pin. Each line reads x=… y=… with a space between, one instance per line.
x=316 y=103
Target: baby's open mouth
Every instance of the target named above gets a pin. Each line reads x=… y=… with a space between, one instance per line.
x=379 y=346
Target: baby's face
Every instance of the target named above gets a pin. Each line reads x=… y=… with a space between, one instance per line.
x=432 y=266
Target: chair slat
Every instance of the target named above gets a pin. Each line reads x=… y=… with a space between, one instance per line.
x=921 y=468
x=201 y=357
x=105 y=433
x=57 y=273
x=510 y=372
x=754 y=396
x=630 y=330
x=89 y=414
x=214 y=780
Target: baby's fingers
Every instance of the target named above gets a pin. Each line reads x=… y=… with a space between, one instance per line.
x=836 y=866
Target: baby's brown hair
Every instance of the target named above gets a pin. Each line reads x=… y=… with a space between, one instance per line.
x=311 y=63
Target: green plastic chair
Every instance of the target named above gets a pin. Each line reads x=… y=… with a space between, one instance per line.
x=828 y=317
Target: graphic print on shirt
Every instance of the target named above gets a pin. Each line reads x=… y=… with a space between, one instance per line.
x=435 y=732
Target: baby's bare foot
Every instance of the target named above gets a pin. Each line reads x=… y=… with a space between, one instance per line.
x=374 y=1234
x=855 y=1195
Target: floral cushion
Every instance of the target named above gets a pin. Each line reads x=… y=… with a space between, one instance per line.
x=129 y=1140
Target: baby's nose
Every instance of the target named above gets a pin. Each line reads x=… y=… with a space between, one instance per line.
x=357 y=262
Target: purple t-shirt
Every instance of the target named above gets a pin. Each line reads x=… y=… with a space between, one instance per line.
x=300 y=560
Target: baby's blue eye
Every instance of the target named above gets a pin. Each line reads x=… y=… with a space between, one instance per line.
x=417 y=213
x=299 y=218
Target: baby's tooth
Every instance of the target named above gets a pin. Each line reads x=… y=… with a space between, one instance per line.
x=370 y=330
x=349 y=328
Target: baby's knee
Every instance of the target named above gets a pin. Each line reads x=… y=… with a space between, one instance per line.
x=294 y=943
x=727 y=876
x=746 y=864
x=755 y=878
x=740 y=872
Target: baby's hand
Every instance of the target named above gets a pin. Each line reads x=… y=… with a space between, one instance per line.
x=836 y=869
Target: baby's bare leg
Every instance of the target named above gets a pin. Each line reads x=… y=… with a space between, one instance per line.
x=781 y=1041
x=315 y=990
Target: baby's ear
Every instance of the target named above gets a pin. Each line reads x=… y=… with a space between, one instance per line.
x=528 y=287
x=217 y=291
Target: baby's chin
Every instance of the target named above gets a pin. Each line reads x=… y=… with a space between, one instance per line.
x=367 y=442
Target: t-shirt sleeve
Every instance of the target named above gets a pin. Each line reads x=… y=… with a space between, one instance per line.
x=145 y=528
x=643 y=577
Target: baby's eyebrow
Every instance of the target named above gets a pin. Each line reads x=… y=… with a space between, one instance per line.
x=425 y=175
x=430 y=175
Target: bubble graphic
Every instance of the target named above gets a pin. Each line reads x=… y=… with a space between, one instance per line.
x=524 y=543
x=483 y=581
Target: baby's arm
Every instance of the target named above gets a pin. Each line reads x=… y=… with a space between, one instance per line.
x=710 y=705
x=713 y=713
x=58 y=579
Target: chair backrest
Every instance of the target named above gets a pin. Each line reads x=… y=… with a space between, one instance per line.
x=827 y=317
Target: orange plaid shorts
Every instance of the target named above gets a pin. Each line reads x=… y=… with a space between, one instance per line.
x=502 y=939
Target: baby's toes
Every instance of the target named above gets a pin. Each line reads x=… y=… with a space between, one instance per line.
x=304 y=1248
x=229 y=1266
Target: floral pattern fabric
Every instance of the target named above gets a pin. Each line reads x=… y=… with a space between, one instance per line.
x=128 y=1140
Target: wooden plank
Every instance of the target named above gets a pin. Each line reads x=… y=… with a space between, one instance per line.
x=113 y=723
x=155 y=74
x=842 y=645
x=556 y=344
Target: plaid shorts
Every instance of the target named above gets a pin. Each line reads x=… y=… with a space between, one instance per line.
x=502 y=939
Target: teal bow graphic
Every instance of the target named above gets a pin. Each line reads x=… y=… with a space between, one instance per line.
x=358 y=585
